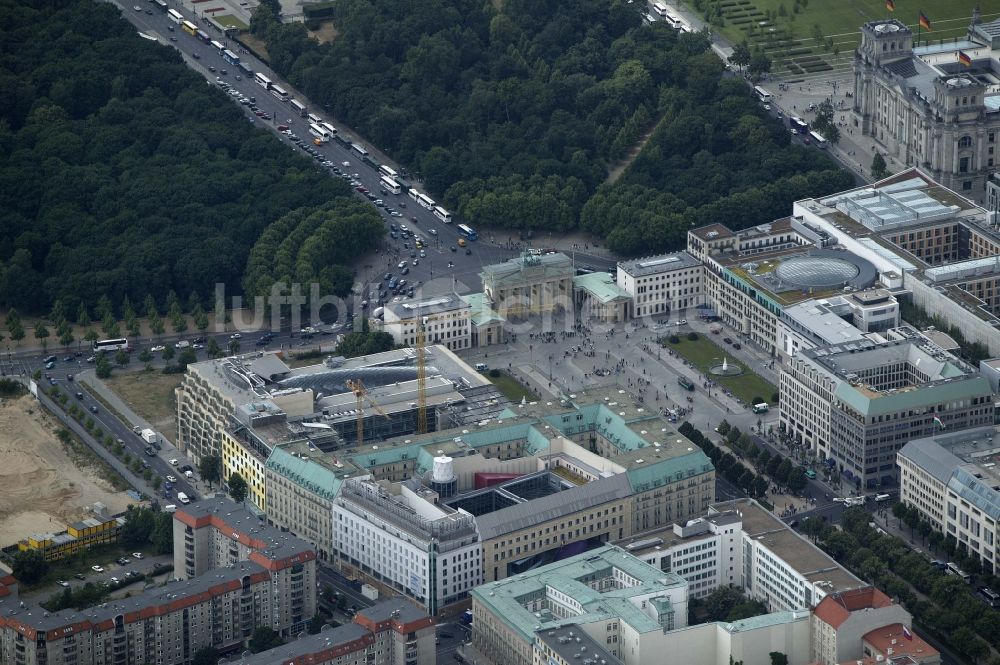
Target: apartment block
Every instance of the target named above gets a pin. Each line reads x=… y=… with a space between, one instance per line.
x=392 y=632
x=217 y=533
x=163 y=625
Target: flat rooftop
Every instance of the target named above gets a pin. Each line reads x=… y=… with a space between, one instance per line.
x=576 y=577
x=800 y=554
x=408 y=309
x=570 y=641
x=272 y=542
x=791 y=275
x=966 y=461
x=659 y=264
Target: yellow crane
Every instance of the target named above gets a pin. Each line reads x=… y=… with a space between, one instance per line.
x=421 y=379
x=361 y=395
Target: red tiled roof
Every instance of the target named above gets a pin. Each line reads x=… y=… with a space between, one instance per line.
x=837 y=607
x=892 y=637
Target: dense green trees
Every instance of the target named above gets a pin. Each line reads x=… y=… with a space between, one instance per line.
x=511 y=115
x=126 y=176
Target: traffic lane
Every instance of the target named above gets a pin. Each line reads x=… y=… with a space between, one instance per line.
x=339 y=583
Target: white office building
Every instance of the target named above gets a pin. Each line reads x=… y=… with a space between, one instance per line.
x=399 y=536
x=661 y=284
x=738 y=543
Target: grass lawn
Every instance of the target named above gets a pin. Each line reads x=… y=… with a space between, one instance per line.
x=511 y=389
x=790 y=38
x=151 y=395
x=230 y=21
x=703 y=353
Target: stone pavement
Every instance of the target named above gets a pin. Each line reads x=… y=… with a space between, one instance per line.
x=627 y=357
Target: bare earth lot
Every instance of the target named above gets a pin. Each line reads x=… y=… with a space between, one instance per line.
x=150 y=395
x=43 y=484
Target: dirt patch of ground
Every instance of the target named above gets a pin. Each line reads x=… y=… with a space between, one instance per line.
x=327 y=32
x=151 y=395
x=43 y=484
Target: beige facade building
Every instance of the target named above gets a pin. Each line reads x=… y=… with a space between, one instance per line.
x=925 y=108
x=529 y=285
x=446 y=320
x=661 y=284
x=951 y=478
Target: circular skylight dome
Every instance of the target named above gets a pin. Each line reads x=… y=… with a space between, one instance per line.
x=817 y=271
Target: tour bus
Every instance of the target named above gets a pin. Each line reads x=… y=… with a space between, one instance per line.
x=319 y=132
x=388 y=172
x=279 y=93
x=442 y=214
x=189 y=28
x=161 y=5
x=175 y=16
x=390 y=185
x=262 y=81
x=300 y=107
x=799 y=125
x=230 y=57
x=203 y=37
x=331 y=131
x=763 y=95
x=358 y=148
x=217 y=46
x=422 y=199
x=245 y=68
x=818 y=139
x=313 y=118
x=659 y=10
x=685 y=383
x=107 y=345
x=468 y=232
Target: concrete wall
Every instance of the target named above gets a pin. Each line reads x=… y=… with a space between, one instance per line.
x=714 y=643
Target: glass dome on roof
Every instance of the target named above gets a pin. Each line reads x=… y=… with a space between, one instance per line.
x=817 y=271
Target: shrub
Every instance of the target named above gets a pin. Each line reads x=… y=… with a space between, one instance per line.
x=674 y=339
x=692 y=336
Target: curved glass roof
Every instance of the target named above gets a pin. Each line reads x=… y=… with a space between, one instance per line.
x=816 y=271
x=334 y=381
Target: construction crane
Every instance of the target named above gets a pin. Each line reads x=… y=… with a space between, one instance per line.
x=361 y=395
x=421 y=379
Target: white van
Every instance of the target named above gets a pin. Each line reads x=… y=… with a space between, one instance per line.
x=183 y=498
x=879 y=498
x=170 y=508
x=482 y=367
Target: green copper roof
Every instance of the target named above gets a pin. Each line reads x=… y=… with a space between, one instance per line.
x=653 y=473
x=601 y=286
x=482 y=310
x=575 y=577
x=305 y=472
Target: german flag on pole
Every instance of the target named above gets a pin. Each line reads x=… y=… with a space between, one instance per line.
x=890 y=5
x=925 y=22
x=964 y=59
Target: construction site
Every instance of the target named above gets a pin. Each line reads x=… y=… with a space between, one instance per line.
x=45 y=484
